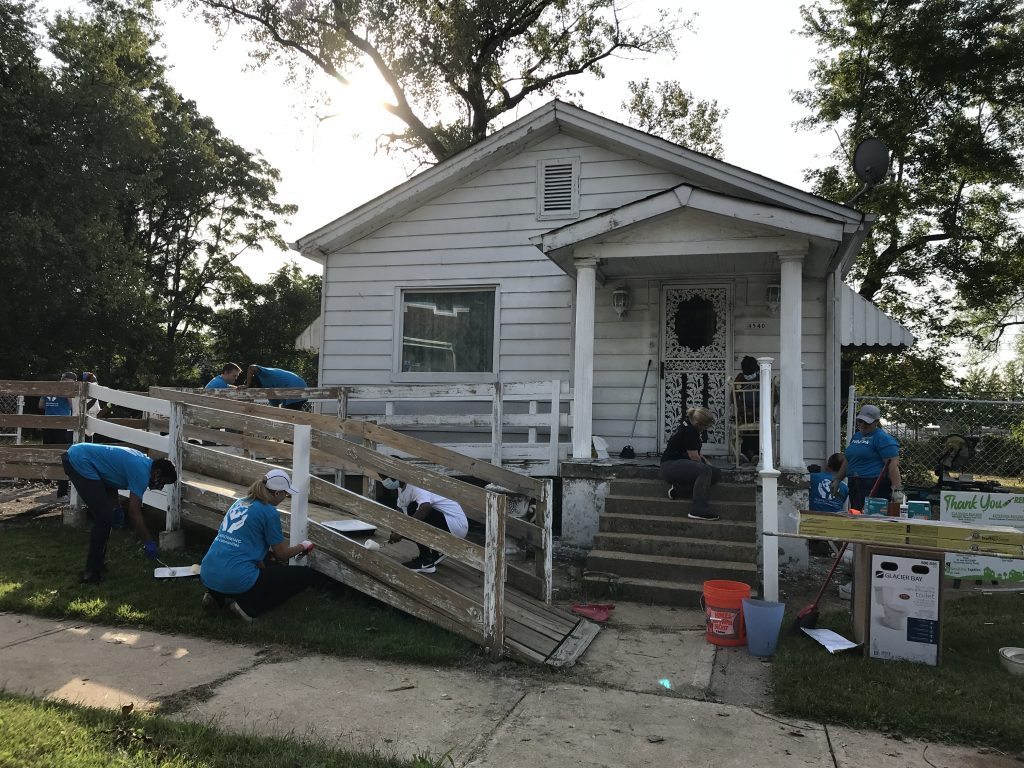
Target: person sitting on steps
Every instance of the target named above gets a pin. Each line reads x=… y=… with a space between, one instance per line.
x=682 y=463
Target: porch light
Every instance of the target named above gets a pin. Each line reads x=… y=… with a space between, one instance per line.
x=773 y=297
x=620 y=301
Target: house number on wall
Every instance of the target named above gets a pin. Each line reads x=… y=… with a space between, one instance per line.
x=757 y=326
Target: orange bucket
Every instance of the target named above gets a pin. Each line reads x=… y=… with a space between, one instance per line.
x=723 y=610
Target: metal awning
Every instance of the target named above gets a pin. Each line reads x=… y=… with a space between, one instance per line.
x=862 y=324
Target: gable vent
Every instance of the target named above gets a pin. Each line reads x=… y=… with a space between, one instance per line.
x=558 y=182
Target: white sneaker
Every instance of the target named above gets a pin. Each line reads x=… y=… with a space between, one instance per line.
x=846 y=591
x=236 y=609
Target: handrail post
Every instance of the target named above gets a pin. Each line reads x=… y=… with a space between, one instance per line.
x=851 y=410
x=556 y=424
x=543 y=558
x=769 y=489
x=74 y=515
x=173 y=537
x=494 y=575
x=497 y=427
x=300 y=480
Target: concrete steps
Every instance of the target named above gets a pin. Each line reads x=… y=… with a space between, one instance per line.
x=648 y=550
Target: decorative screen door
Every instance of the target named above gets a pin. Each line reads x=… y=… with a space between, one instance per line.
x=695 y=353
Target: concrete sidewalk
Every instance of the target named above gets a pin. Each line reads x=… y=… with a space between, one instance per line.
x=612 y=710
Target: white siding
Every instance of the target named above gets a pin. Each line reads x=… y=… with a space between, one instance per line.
x=476 y=234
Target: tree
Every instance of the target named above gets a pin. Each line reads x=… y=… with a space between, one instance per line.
x=669 y=111
x=123 y=208
x=941 y=82
x=263 y=321
x=476 y=60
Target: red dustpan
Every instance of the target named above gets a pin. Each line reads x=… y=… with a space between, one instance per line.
x=594 y=611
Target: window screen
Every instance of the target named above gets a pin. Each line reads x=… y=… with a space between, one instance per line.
x=448 y=331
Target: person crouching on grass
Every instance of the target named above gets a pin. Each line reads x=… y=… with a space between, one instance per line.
x=98 y=472
x=233 y=570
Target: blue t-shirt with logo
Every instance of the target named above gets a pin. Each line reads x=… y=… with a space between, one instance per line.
x=866 y=454
x=820 y=498
x=249 y=529
x=279 y=377
x=56 y=406
x=114 y=465
x=217 y=382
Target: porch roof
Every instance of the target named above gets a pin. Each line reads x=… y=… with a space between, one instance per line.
x=862 y=324
x=748 y=228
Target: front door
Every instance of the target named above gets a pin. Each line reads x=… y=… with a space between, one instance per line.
x=695 y=353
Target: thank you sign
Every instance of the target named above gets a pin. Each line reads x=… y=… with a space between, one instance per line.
x=976 y=508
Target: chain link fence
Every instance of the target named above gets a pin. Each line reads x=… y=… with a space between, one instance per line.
x=11 y=404
x=993 y=431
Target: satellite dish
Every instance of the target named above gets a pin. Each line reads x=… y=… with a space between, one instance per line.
x=870 y=163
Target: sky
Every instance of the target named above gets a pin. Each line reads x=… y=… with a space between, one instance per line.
x=743 y=53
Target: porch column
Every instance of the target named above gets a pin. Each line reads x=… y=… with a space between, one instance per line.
x=583 y=372
x=791 y=384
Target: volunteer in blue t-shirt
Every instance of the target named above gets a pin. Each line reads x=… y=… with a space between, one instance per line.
x=226 y=378
x=51 y=405
x=98 y=472
x=820 y=495
x=261 y=377
x=234 y=572
x=870 y=450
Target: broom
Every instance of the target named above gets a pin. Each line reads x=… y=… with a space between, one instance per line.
x=808 y=615
x=627 y=451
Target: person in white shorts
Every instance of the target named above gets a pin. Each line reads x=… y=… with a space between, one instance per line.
x=435 y=510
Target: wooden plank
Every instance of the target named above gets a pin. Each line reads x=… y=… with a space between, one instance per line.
x=520 y=652
x=135 y=437
x=130 y=400
x=517 y=607
x=326 y=423
x=38 y=388
x=461 y=609
x=270 y=393
x=201 y=516
x=339 y=571
x=570 y=650
x=37 y=421
x=494 y=574
x=32 y=471
x=371 y=512
x=250 y=425
x=514 y=481
x=31 y=454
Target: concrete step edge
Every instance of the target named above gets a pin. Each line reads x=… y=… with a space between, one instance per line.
x=693 y=562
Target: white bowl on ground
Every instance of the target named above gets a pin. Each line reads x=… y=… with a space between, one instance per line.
x=1013 y=660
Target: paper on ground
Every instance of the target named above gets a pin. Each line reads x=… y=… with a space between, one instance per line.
x=831 y=640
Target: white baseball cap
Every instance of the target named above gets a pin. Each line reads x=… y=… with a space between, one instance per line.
x=278 y=480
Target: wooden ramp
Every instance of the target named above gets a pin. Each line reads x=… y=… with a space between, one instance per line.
x=452 y=597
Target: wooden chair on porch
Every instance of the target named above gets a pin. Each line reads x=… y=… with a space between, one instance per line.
x=745 y=417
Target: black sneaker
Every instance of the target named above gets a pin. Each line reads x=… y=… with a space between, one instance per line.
x=419 y=565
x=88 y=577
x=438 y=557
x=703 y=516
x=672 y=493
x=236 y=609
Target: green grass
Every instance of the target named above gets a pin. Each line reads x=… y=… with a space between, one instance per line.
x=969 y=699
x=56 y=735
x=40 y=563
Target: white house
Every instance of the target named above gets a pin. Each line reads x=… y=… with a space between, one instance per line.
x=505 y=264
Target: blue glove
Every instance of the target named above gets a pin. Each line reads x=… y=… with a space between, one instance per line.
x=150 y=549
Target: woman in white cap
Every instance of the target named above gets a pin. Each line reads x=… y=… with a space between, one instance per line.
x=233 y=570
x=871 y=450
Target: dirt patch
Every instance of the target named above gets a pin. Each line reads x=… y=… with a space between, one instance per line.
x=26 y=500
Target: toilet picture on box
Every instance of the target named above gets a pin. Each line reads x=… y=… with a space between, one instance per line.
x=904 y=612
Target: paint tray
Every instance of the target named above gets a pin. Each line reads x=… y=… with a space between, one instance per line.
x=175 y=572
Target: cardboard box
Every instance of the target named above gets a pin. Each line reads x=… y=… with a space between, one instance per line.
x=898 y=604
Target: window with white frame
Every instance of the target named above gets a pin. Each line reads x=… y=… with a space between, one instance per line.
x=558 y=188
x=446 y=332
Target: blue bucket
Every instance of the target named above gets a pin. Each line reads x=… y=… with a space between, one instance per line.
x=764 y=620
